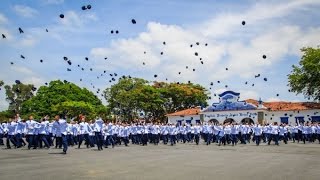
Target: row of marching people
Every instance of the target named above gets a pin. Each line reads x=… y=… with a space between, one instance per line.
x=39 y=134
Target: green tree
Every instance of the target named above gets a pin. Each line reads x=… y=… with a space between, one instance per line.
x=64 y=98
x=305 y=78
x=1 y=83
x=130 y=96
x=17 y=94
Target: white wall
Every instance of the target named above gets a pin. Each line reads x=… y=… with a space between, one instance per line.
x=277 y=114
x=238 y=116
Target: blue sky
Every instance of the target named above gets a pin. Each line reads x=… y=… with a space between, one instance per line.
x=277 y=29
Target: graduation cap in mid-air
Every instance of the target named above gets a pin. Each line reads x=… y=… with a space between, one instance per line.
x=83 y=8
x=218 y=81
x=22 y=56
x=243 y=23
x=155 y=76
x=196 y=54
x=65 y=58
x=18 y=82
x=47 y=30
x=227 y=69
x=201 y=62
x=193 y=69
x=191 y=45
x=226 y=86
x=264 y=56
x=161 y=53
x=143 y=63
x=246 y=82
x=68 y=69
x=11 y=63
x=164 y=43
x=3 y=36
x=61 y=15
x=69 y=62
x=277 y=94
x=41 y=60
x=133 y=21
x=46 y=83
x=265 y=79
x=252 y=84
x=20 y=30
x=179 y=72
x=206 y=44
x=211 y=83
x=86 y=58
x=89 y=6
x=34 y=88
x=197 y=43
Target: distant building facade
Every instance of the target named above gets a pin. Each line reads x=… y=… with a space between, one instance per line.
x=230 y=109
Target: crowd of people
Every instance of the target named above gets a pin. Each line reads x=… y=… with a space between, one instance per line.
x=103 y=134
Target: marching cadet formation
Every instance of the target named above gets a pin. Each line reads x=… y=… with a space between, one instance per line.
x=61 y=134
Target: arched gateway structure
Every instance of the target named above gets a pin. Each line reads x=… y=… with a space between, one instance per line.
x=231 y=109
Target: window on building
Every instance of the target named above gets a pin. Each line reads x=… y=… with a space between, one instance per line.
x=284 y=120
x=299 y=119
x=315 y=118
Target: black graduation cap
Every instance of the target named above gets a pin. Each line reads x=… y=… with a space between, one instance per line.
x=144 y=63
x=104 y=71
x=211 y=83
x=227 y=69
x=243 y=23
x=265 y=79
x=226 y=86
x=115 y=74
x=289 y=90
x=65 y=58
x=155 y=76
x=164 y=43
x=117 y=31
x=201 y=62
x=110 y=81
x=161 y=53
x=68 y=69
x=277 y=94
x=69 y=62
x=80 y=79
x=189 y=82
x=3 y=36
x=46 y=83
x=78 y=65
x=246 y=82
x=105 y=58
x=89 y=6
x=187 y=67
x=133 y=21
x=82 y=69
x=252 y=84
x=22 y=56
x=264 y=56
x=144 y=52
x=129 y=77
x=83 y=7
x=61 y=16
x=218 y=81
x=18 y=82
x=34 y=88
x=11 y=63
x=197 y=43
x=111 y=31
x=206 y=44
x=41 y=60
x=87 y=58
x=113 y=79
x=90 y=69
x=20 y=30
x=111 y=74
x=47 y=30
x=209 y=97
x=191 y=45
x=193 y=69
x=178 y=83
x=196 y=54
x=215 y=94
x=210 y=88
x=179 y=73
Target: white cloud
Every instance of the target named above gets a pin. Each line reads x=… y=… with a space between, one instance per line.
x=3 y=19
x=273 y=99
x=25 y=11
x=73 y=19
x=53 y=1
x=21 y=69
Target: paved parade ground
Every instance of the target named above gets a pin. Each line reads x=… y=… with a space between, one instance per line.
x=184 y=161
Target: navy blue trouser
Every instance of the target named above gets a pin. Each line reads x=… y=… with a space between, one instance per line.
x=258 y=139
x=30 y=139
x=1 y=138
x=197 y=137
x=64 y=143
x=10 y=138
x=43 y=138
x=99 y=139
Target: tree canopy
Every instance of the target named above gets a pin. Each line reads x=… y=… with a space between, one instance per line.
x=17 y=94
x=63 y=98
x=132 y=97
x=305 y=78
